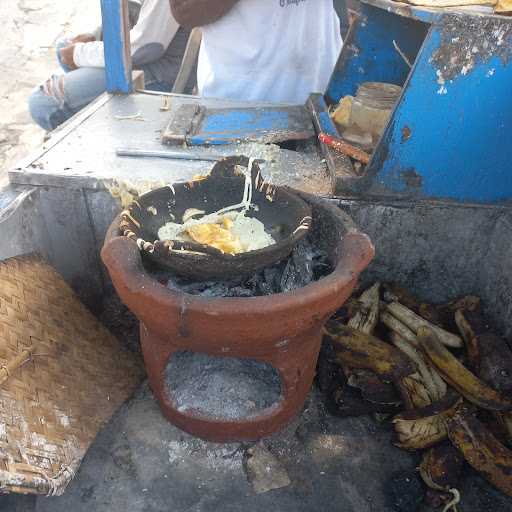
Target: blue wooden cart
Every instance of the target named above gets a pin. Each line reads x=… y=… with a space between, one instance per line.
x=433 y=199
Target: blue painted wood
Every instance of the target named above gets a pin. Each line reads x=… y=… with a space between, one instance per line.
x=420 y=13
x=116 y=41
x=368 y=54
x=449 y=136
x=270 y=124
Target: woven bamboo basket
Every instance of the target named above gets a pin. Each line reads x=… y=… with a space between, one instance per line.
x=62 y=376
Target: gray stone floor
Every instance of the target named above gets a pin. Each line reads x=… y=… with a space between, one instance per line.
x=141 y=463
x=27 y=57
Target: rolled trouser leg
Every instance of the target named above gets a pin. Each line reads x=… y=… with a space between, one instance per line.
x=63 y=95
x=46 y=105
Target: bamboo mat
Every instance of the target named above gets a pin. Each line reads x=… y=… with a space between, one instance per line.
x=62 y=376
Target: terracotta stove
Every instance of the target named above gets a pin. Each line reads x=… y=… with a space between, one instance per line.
x=283 y=330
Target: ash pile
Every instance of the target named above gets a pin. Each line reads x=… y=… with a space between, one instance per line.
x=438 y=374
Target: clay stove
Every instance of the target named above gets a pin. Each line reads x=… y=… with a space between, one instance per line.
x=283 y=330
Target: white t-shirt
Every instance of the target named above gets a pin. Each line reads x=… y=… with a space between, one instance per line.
x=270 y=50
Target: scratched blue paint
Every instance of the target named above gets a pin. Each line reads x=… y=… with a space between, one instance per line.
x=327 y=124
x=118 y=67
x=460 y=132
x=371 y=56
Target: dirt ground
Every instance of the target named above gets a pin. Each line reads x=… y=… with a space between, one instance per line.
x=27 y=57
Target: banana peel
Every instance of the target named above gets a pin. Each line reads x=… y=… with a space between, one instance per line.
x=441 y=467
x=431 y=380
x=470 y=340
x=422 y=428
x=480 y=448
x=491 y=358
x=459 y=377
x=348 y=401
x=414 y=391
x=360 y=350
x=393 y=292
x=415 y=322
x=446 y=312
x=367 y=316
x=441 y=470
x=495 y=362
x=373 y=389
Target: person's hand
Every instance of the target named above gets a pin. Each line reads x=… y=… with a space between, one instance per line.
x=83 y=38
x=66 y=56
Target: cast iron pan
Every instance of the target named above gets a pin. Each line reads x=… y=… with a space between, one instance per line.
x=284 y=214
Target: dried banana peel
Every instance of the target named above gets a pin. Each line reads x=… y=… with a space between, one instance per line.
x=367 y=316
x=470 y=340
x=433 y=383
x=373 y=389
x=506 y=419
x=481 y=449
x=430 y=313
x=422 y=428
x=414 y=322
x=447 y=311
x=459 y=377
x=414 y=392
x=441 y=467
x=360 y=350
x=349 y=402
x=393 y=292
x=441 y=470
x=399 y=328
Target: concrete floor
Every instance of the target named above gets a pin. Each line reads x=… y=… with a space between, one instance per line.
x=27 y=57
x=141 y=463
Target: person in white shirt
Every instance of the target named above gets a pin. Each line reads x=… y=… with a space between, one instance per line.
x=82 y=77
x=263 y=50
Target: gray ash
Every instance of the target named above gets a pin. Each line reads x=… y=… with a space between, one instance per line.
x=224 y=388
x=305 y=265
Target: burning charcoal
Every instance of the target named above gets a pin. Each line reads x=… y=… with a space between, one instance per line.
x=299 y=269
x=271 y=279
x=302 y=267
x=240 y=291
x=321 y=264
x=216 y=290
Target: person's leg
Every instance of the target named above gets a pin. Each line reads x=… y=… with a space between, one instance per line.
x=62 y=96
x=62 y=43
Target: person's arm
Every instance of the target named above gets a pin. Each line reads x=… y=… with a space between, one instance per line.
x=149 y=38
x=196 y=13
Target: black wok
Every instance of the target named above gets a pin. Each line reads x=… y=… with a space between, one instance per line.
x=283 y=213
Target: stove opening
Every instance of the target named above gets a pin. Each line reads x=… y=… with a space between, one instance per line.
x=221 y=388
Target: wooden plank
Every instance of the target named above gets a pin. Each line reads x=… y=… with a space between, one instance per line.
x=188 y=62
x=116 y=39
x=198 y=125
